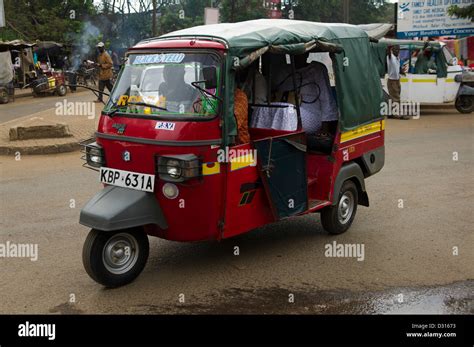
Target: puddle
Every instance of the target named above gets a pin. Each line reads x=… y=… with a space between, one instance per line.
x=455 y=298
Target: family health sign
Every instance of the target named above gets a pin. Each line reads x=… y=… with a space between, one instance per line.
x=430 y=18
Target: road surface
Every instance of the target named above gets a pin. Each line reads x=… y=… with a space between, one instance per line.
x=418 y=259
x=29 y=105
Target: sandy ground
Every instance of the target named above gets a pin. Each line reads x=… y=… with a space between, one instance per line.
x=408 y=250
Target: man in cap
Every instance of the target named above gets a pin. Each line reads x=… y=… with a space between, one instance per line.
x=105 y=64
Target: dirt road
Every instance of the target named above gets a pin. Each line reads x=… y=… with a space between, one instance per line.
x=410 y=262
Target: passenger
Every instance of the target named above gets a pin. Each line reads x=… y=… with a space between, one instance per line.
x=241 y=107
x=425 y=63
x=318 y=105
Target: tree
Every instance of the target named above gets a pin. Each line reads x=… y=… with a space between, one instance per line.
x=462 y=12
x=360 y=11
x=241 y=10
x=44 y=19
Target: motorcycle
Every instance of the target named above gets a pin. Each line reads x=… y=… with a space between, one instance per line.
x=465 y=97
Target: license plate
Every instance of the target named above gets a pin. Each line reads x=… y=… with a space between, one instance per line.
x=127 y=179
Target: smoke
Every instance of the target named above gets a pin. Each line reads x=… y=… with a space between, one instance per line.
x=84 y=44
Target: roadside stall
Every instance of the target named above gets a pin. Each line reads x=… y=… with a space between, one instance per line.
x=14 y=67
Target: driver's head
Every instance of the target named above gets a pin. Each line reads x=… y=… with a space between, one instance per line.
x=396 y=50
x=174 y=74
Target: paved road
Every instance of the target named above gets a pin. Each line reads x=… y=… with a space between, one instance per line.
x=26 y=106
x=409 y=264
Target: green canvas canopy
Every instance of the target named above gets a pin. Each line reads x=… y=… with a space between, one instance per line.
x=358 y=86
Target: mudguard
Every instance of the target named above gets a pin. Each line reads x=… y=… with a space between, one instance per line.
x=351 y=171
x=466 y=90
x=116 y=208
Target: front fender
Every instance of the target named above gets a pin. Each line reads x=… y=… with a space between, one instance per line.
x=466 y=90
x=116 y=208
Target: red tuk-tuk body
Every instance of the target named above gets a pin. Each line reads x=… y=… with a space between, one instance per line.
x=195 y=194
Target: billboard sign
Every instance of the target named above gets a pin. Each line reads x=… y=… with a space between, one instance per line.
x=211 y=15
x=430 y=18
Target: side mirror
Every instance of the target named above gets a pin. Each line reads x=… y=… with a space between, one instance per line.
x=210 y=77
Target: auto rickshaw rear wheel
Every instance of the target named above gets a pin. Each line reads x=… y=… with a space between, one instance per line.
x=61 y=90
x=337 y=219
x=115 y=258
x=465 y=104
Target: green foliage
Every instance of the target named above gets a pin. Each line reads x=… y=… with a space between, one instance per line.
x=241 y=10
x=361 y=11
x=117 y=23
x=46 y=20
x=462 y=12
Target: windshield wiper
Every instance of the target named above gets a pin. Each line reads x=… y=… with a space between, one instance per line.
x=112 y=111
x=198 y=87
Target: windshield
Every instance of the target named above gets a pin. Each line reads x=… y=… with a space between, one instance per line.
x=166 y=84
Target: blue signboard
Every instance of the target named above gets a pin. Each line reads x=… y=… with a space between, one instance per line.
x=430 y=18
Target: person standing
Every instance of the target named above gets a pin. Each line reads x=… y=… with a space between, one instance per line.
x=105 y=64
x=393 y=83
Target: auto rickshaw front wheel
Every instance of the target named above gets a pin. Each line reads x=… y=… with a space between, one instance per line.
x=4 y=96
x=115 y=258
x=337 y=219
x=464 y=103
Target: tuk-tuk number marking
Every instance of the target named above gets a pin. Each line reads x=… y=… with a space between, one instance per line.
x=165 y=126
x=127 y=179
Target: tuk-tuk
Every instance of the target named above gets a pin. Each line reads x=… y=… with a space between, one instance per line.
x=50 y=67
x=432 y=74
x=169 y=146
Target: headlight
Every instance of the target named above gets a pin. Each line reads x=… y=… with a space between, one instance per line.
x=173 y=168
x=95 y=155
x=178 y=168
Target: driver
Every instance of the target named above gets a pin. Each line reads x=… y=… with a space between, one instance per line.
x=175 y=89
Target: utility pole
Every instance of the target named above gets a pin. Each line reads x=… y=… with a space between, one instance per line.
x=153 y=23
x=345 y=10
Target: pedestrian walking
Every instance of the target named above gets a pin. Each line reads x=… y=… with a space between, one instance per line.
x=105 y=64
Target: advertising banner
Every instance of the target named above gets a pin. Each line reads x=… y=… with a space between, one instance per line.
x=430 y=18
